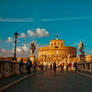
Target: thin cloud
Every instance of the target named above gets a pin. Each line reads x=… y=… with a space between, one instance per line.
x=76 y=44
x=6 y=53
x=66 y=19
x=17 y=20
x=44 y=20
x=88 y=51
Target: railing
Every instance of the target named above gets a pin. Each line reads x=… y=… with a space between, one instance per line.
x=85 y=66
x=8 y=68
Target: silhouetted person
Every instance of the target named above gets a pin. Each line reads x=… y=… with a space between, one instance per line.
x=41 y=67
x=67 y=67
x=75 y=67
x=62 y=67
x=54 y=67
x=34 y=67
x=29 y=65
x=50 y=66
x=46 y=66
x=21 y=65
x=70 y=65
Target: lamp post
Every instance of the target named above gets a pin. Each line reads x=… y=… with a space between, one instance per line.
x=16 y=36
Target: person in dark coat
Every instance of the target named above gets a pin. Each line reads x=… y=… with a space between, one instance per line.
x=50 y=66
x=29 y=65
x=34 y=67
x=67 y=67
x=75 y=67
x=21 y=65
x=54 y=67
x=46 y=66
x=41 y=67
x=62 y=67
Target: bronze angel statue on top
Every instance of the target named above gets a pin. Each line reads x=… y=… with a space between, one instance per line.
x=81 y=47
x=33 y=47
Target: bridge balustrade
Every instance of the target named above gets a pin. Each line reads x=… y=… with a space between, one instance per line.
x=85 y=66
x=9 y=68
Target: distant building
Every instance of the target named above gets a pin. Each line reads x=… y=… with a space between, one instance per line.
x=88 y=58
x=56 y=51
x=23 y=58
x=5 y=58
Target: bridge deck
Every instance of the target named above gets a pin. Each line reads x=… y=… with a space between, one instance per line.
x=51 y=82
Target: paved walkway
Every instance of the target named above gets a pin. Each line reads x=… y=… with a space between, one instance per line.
x=51 y=82
x=11 y=79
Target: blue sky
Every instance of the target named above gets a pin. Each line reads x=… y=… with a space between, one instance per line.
x=71 y=19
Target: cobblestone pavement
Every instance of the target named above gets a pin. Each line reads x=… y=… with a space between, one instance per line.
x=50 y=82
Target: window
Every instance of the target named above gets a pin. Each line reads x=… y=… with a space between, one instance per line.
x=61 y=44
x=54 y=43
x=58 y=43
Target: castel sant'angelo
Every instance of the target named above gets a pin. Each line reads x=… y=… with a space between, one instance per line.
x=56 y=52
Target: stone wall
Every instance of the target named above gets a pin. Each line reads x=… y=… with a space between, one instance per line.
x=9 y=68
x=56 y=54
x=85 y=67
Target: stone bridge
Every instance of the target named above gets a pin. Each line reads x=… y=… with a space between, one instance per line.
x=44 y=81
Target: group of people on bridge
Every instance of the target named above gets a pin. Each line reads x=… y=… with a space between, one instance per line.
x=33 y=66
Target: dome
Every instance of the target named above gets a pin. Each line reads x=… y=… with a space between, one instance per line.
x=56 y=43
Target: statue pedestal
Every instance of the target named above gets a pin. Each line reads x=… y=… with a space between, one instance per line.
x=82 y=58
x=32 y=58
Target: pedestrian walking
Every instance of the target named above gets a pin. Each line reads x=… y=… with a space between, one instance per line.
x=41 y=67
x=67 y=67
x=21 y=65
x=54 y=67
x=75 y=67
x=70 y=66
x=29 y=65
x=62 y=67
x=34 y=67
x=46 y=66
x=50 y=66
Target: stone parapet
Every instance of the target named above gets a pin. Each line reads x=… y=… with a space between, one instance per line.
x=9 y=68
x=85 y=66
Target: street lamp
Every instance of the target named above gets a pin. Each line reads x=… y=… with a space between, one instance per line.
x=16 y=36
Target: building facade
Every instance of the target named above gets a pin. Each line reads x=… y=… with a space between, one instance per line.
x=88 y=58
x=56 y=52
